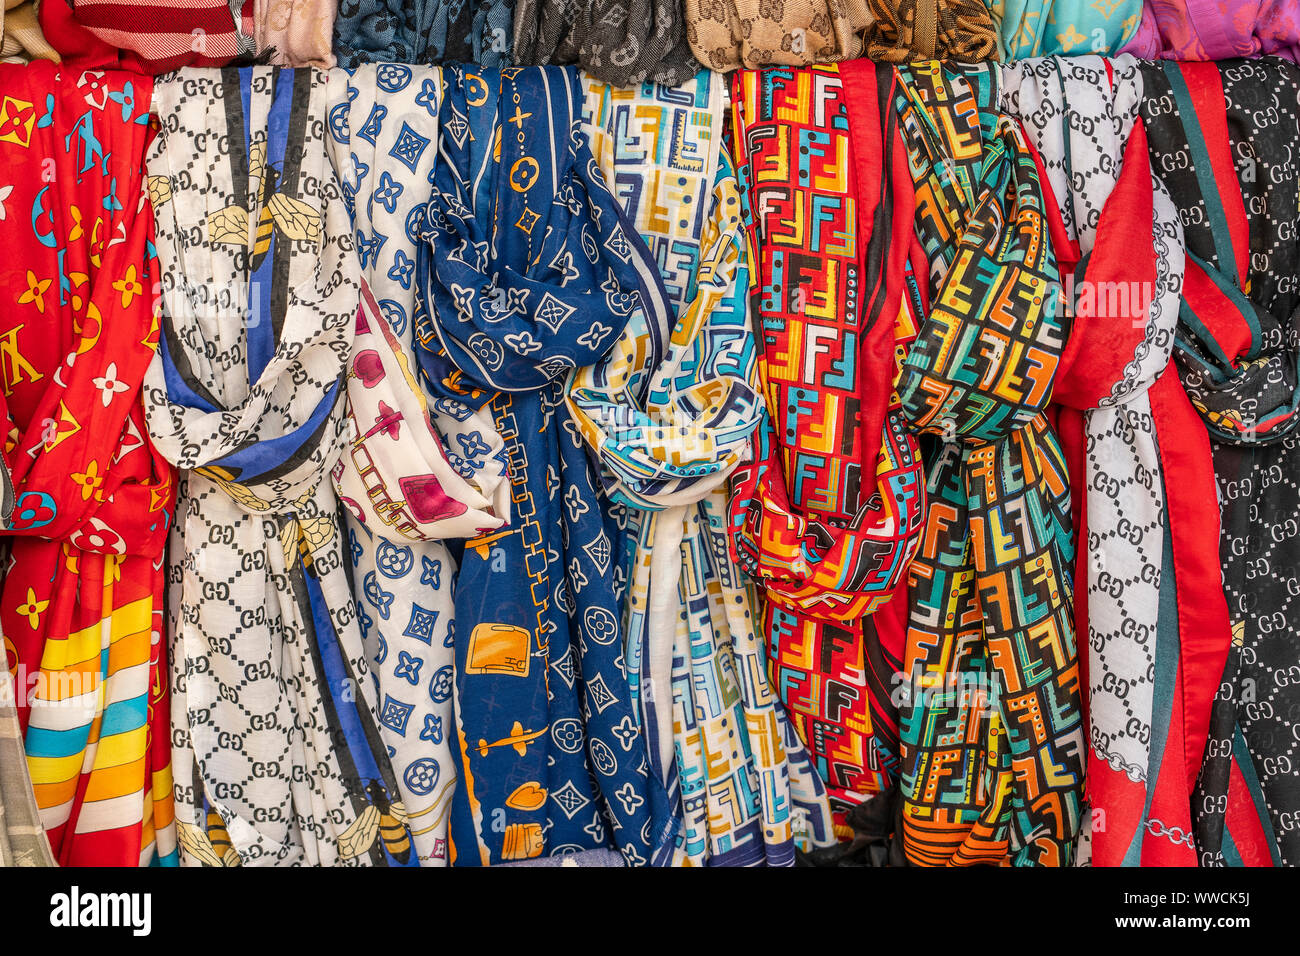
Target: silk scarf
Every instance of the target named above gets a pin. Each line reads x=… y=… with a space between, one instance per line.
x=904 y=30
x=828 y=514
x=81 y=603
x=423 y=31
x=295 y=32
x=620 y=41
x=1034 y=28
x=413 y=472
x=993 y=743
x=276 y=747
x=1200 y=30
x=726 y=34
x=669 y=413
x=530 y=270
x=1222 y=138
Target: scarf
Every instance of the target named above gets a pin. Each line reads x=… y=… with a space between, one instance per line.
x=529 y=271
x=922 y=29
x=726 y=34
x=1033 y=28
x=81 y=602
x=669 y=413
x=23 y=40
x=1153 y=609
x=1196 y=30
x=620 y=41
x=1222 y=137
x=295 y=32
x=22 y=838
x=992 y=733
x=276 y=748
x=426 y=31
x=412 y=473
x=827 y=515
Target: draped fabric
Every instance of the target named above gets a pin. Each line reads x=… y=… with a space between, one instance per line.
x=1222 y=138
x=277 y=754
x=22 y=39
x=22 y=838
x=727 y=34
x=993 y=743
x=423 y=31
x=828 y=514
x=669 y=414
x=295 y=32
x=1199 y=30
x=1136 y=451
x=619 y=41
x=146 y=37
x=904 y=30
x=1034 y=28
x=529 y=271
x=412 y=473
x=81 y=602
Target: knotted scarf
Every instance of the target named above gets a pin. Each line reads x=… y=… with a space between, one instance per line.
x=1199 y=30
x=1144 y=496
x=1223 y=139
x=413 y=472
x=277 y=751
x=81 y=604
x=903 y=30
x=1033 y=28
x=530 y=270
x=993 y=744
x=828 y=515
x=423 y=31
x=620 y=41
x=726 y=34
x=669 y=413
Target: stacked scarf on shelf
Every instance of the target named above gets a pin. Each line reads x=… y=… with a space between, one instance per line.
x=620 y=41
x=828 y=515
x=529 y=271
x=993 y=743
x=81 y=605
x=1036 y=28
x=423 y=31
x=1144 y=502
x=669 y=413
x=726 y=34
x=1196 y=30
x=904 y=30
x=413 y=472
x=278 y=758
x=1223 y=139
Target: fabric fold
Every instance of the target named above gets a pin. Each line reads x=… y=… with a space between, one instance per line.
x=423 y=32
x=732 y=34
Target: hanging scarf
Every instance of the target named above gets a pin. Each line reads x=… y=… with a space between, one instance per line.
x=81 y=605
x=295 y=32
x=1196 y=30
x=1223 y=138
x=827 y=516
x=921 y=29
x=278 y=758
x=726 y=34
x=423 y=31
x=669 y=414
x=992 y=733
x=1138 y=455
x=412 y=473
x=620 y=41
x=23 y=40
x=22 y=838
x=530 y=271
x=1032 y=28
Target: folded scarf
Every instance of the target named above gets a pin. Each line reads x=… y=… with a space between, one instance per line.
x=620 y=41
x=1145 y=497
x=1222 y=138
x=922 y=29
x=276 y=746
x=1033 y=28
x=295 y=32
x=726 y=34
x=423 y=31
x=1197 y=30
x=22 y=838
x=81 y=606
x=529 y=271
x=23 y=40
x=828 y=515
x=669 y=413
x=413 y=472
x=993 y=744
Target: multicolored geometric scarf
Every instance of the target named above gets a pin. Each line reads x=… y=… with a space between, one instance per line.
x=620 y=41
x=993 y=743
x=423 y=31
x=413 y=472
x=726 y=34
x=903 y=30
x=530 y=270
x=1223 y=138
x=669 y=413
x=277 y=752
x=828 y=515
x=1197 y=30
x=81 y=604
x=1033 y=28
